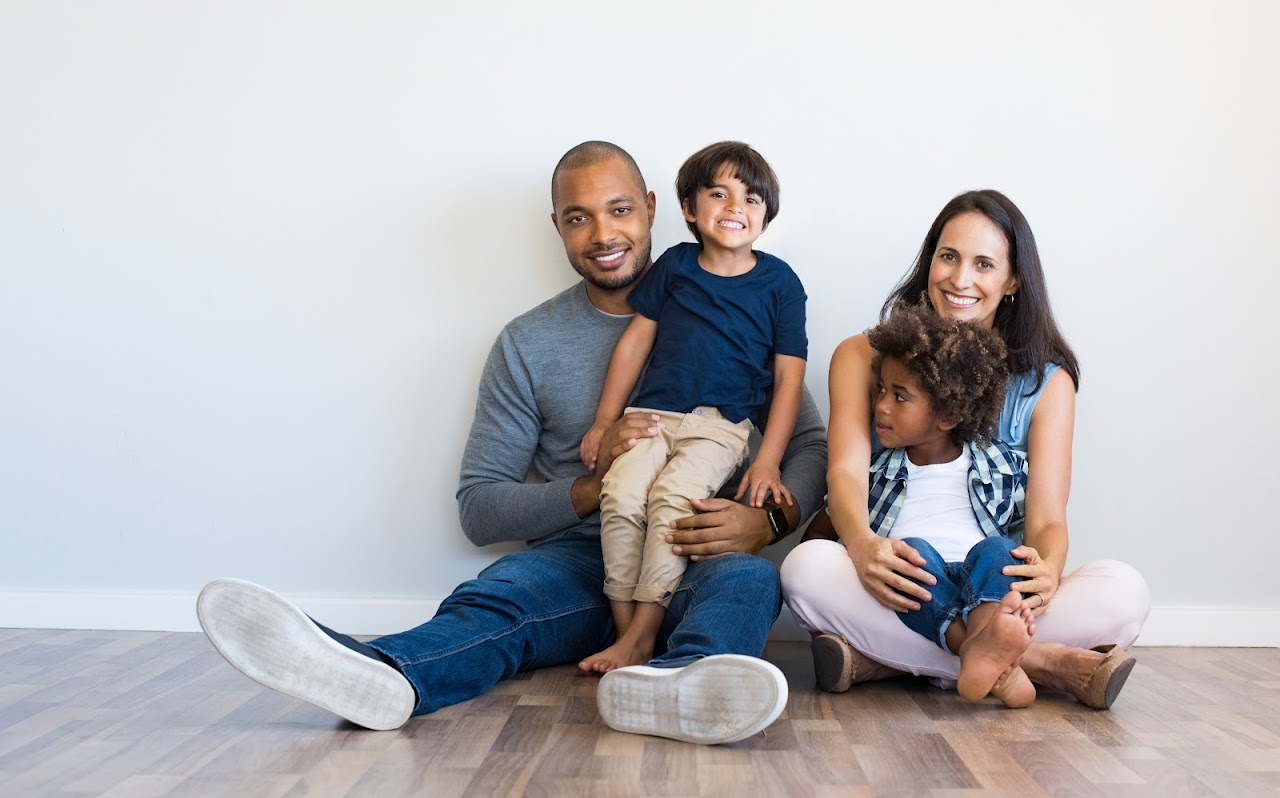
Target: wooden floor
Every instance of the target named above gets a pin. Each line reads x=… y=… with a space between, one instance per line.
x=141 y=714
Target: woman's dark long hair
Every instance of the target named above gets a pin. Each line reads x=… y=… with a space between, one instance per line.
x=1026 y=324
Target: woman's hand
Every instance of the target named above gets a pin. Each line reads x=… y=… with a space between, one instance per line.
x=1039 y=578
x=883 y=566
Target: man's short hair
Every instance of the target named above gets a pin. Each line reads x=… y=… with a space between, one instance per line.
x=590 y=153
x=749 y=166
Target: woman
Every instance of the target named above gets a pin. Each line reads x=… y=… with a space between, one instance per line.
x=978 y=264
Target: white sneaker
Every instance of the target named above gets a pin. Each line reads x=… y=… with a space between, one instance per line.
x=274 y=643
x=718 y=699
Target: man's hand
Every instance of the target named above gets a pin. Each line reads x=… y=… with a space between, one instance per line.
x=720 y=526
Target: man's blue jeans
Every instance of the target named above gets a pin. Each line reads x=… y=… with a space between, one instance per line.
x=546 y=606
x=961 y=585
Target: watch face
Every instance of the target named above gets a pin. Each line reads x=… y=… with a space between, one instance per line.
x=778 y=520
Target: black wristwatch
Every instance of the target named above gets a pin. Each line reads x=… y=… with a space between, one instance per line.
x=777 y=521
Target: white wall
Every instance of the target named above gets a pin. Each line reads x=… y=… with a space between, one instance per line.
x=252 y=255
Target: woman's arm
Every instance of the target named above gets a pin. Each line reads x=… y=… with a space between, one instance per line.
x=1044 y=551
x=852 y=380
x=880 y=563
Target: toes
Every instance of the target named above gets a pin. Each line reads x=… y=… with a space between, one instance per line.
x=1012 y=602
x=1014 y=689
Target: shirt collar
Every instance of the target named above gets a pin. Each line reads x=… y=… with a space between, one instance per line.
x=892 y=463
x=988 y=459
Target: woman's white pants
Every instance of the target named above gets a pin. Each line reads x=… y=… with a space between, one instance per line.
x=1105 y=601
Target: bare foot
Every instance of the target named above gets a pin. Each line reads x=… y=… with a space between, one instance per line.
x=619 y=655
x=1014 y=689
x=994 y=647
x=1027 y=616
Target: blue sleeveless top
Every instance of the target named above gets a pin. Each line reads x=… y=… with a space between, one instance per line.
x=1015 y=417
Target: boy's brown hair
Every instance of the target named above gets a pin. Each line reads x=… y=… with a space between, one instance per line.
x=749 y=166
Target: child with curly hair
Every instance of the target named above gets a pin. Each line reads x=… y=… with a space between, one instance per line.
x=946 y=489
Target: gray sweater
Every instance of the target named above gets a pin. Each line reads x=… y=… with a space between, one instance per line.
x=538 y=397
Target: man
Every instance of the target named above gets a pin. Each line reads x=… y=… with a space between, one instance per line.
x=545 y=605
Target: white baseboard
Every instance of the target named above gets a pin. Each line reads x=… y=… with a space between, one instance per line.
x=175 y=612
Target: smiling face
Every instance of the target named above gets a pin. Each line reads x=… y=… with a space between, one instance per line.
x=604 y=216
x=729 y=215
x=970 y=272
x=904 y=414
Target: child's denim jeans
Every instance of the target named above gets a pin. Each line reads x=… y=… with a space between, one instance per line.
x=961 y=585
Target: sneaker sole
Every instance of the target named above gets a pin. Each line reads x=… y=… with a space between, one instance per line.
x=718 y=699
x=274 y=643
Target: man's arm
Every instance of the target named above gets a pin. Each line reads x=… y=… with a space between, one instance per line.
x=495 y=503
x=804 y=463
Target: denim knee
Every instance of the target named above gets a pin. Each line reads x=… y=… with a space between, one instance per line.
x=986 y=561
x=998 y=546
x=985 y=580
x=746 y=572
x=937 y=613
x=933 y=562
x=724 y=605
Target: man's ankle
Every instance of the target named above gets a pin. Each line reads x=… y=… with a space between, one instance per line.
x=356 y=646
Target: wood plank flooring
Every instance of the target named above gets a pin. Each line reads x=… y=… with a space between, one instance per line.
x=149 y=714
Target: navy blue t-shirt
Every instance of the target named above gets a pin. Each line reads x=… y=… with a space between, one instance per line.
x=716 y=334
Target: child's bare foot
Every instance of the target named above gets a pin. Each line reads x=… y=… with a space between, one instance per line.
x=619 y=655
x=1000 y=639
x=1014 y=688
x=1028 y=617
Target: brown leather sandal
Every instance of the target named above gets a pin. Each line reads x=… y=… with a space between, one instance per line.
x=832 y=663
x=837 y=666
x=1107 y=679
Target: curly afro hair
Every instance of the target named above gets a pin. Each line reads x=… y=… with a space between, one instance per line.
x=961 y=367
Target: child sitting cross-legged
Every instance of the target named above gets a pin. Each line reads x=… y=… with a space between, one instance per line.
x=951 y=493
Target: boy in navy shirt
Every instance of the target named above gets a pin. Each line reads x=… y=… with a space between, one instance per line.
x=723 y=323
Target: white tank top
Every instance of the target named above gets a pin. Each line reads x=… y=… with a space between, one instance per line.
x=936 y=507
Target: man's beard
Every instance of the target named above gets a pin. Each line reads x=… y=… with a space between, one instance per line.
x=616 y=280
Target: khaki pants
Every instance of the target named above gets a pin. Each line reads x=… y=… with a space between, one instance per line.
x=649 y=487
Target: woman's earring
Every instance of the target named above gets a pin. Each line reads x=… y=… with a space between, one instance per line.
x=1008 y=299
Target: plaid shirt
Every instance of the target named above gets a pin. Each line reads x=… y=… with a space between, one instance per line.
x=997 y=489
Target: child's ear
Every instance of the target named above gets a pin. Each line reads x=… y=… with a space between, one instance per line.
x=947 y=426
x=689 y=215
